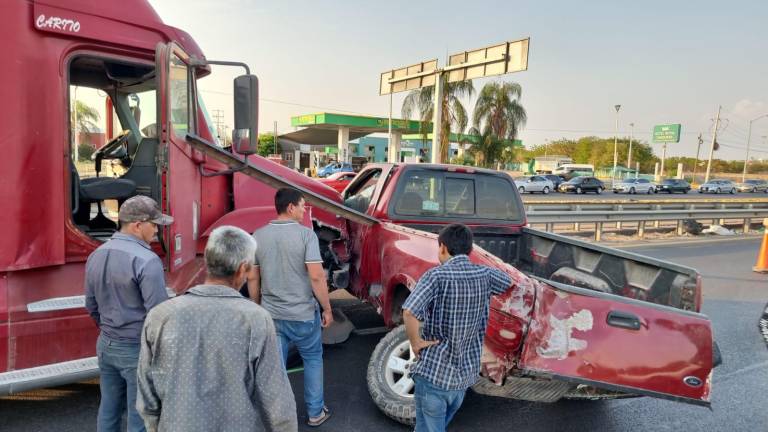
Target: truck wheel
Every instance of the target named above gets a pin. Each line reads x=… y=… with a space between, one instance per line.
x=388 y=382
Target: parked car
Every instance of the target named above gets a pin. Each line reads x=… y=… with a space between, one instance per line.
x=555 y=179
x=533 y=184
x=581 y=185
x=635 y=185
x=753 y=186
x=339 y=180
x=718 y=186
x=671 y=186
x=335 y=167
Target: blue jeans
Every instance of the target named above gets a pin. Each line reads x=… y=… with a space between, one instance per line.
x=435 y=407
x=117 y=364
x=307 y=336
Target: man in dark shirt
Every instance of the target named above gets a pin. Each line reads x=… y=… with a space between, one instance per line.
x=452 y=302
x=124 y=279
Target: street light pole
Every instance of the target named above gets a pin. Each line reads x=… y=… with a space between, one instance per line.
x=749 y=138
x=615 y=146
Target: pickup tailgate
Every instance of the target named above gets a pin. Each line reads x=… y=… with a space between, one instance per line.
x=620 y=344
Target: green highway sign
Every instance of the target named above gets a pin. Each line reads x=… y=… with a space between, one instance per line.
x=669 y=133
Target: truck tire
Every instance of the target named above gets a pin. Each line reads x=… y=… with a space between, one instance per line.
x=391 y=391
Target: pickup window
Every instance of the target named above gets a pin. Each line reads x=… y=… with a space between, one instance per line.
x=359 y=195
x=425 y=193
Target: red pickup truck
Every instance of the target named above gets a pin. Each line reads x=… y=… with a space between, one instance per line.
x=580 y=320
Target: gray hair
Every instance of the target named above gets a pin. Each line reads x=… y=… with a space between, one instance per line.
x=228 y=247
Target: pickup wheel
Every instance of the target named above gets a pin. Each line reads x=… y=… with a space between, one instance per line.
x=388 y=383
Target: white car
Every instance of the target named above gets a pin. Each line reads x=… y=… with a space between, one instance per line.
x=533 y=184
x=718 y=186
x=633 y=186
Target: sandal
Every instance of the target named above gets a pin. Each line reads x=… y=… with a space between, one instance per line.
x=325 y=414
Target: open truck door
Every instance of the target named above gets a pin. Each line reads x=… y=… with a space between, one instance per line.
x=619 y=344
x=176 y=119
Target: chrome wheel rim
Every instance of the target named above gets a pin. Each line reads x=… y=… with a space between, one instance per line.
x=399 y=363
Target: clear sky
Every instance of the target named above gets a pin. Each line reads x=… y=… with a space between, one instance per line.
x=664 y=62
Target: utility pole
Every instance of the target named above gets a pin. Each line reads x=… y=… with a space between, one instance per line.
x=749 y=138
x=629 y=155
x=714 y=139
x=275 y=136
x=615 y=146
x=218 y=120
x=696 y=164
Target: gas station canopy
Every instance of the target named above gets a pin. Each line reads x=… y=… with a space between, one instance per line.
x=323 y=128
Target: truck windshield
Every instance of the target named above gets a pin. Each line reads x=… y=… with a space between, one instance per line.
x=438 y=194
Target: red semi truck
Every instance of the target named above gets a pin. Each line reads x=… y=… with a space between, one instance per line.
x=580 y=321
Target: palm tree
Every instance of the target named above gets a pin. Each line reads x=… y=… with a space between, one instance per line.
x=83 y=119
x=454 y=115
x=498 y=118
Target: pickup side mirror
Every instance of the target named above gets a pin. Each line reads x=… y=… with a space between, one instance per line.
x=246 y=132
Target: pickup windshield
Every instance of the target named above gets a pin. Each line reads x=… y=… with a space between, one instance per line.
x=439 y=194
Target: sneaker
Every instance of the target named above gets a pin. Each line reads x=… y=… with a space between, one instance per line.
x=317 y=421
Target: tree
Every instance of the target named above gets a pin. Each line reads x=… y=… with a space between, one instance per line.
x=599 y=151
x=454 y=115
x=497 y=119
x=83 y=119
x=498 y=110
x=267 y=145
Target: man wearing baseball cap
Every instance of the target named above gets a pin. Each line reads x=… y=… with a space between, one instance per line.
x=124 y=279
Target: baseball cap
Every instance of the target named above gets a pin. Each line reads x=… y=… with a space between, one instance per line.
x=142 y=208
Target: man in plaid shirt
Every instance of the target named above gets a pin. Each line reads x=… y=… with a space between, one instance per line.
x=451 y=301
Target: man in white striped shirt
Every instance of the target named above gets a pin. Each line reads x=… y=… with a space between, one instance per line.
x=288 y=280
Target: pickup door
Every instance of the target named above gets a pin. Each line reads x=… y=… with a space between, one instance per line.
x=621 y=344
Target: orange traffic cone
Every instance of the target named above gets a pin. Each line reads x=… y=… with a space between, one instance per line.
x=762 y=257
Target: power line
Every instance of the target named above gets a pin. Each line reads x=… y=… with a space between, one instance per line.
x=292 y=103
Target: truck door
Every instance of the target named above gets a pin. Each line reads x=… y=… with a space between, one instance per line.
x=177 y=105
x=619 y=344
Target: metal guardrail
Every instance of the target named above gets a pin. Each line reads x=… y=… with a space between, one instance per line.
x=599 y=213
x=645 y=204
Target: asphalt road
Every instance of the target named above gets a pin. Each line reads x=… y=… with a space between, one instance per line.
x=734 y=299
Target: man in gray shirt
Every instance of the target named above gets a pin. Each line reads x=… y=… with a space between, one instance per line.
x=209 y=359
x=124 y=279
x=289 y=281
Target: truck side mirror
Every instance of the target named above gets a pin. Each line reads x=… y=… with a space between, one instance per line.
x=246 y=132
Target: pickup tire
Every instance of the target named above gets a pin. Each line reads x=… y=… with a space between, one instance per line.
x=396 y=403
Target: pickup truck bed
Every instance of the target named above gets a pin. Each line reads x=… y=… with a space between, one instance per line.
x=582 y=264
